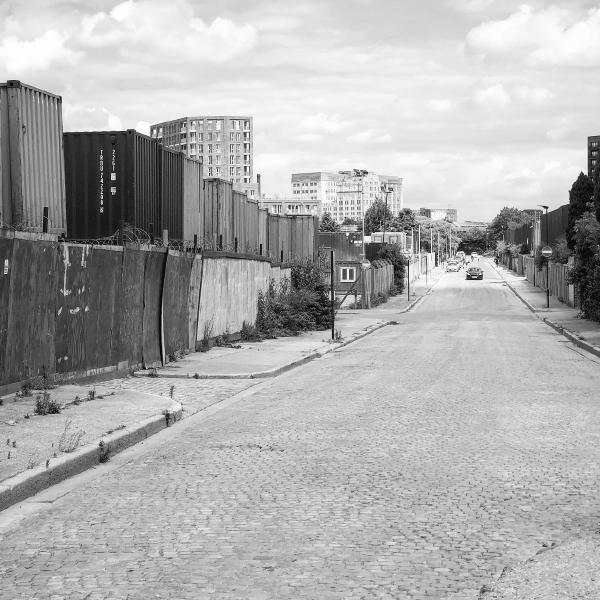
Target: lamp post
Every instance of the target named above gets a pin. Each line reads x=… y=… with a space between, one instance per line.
x=386 y=190
x=546 y=256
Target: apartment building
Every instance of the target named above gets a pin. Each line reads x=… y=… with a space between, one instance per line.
x=593 y=153
x=223 y=143
x=346 y=194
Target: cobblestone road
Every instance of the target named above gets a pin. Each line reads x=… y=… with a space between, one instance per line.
x=417 y=463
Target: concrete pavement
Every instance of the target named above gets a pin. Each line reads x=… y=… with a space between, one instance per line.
x=107 y=417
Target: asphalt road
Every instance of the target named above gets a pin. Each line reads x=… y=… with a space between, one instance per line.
x=416 y=463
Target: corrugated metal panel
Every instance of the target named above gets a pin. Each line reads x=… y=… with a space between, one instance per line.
x=172 y=193
x=192 y=194
x=263 y=231
x=210 y=205
x=273 y=237
x=112 y=175
x=144 y=201
x=31 y=165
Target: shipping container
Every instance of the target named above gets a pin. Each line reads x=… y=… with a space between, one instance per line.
x=31 y=158
x=125 y=175
x=111 y=176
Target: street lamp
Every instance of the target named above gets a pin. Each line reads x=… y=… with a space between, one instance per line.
x=546 y=257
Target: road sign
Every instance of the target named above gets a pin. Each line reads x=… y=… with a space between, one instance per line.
x=546 y=252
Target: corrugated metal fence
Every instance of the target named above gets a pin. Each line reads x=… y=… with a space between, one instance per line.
x=83 y=309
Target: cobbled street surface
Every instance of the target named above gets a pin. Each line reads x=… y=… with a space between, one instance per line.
x=416 y=463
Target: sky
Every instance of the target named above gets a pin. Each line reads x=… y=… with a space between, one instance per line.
x=477 y=104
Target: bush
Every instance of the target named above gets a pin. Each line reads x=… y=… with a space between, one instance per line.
x=44 y=405
x=393 y=254
x=293 y=306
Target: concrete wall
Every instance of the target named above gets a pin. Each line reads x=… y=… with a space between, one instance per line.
x=229 y=293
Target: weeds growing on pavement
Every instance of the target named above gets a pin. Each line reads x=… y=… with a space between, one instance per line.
x=44 y=405
x=207 y=332
x=70 y=438
x=103 y=452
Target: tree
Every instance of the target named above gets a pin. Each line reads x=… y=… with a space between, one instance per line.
x=473 y=239
x=378 y=217
x=580 y=196
x=507 y=218
x=350 y=221
x=405 y=221
x=327 y=223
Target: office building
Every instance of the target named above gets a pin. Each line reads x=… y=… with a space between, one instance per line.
x=347 y=194
x=224 y=144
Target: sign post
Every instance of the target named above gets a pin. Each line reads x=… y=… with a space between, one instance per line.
x=547 y=253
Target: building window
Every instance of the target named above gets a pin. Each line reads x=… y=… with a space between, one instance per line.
x=219 y=125
x=210 y=171
x=231 y=171
x=231 y=159
x=348 y=274
x=210 y=147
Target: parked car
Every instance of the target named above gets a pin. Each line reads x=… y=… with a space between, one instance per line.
x=474 y=273
x=452 y=265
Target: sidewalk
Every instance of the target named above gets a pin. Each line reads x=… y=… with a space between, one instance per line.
x=99 y=420
x=563 y=318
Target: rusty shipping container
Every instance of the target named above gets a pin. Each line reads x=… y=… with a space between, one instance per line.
x=31 y=158
x=181 y=185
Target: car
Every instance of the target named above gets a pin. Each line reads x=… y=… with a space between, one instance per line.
x=452 y=265
x=474 y=273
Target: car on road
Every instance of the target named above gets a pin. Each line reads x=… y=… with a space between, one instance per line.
x=474 y=273
x=452 y=265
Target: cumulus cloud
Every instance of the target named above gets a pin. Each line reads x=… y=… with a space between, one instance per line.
x=48 y=50
x=494 y=96
x=554 y=36
x=151 y=30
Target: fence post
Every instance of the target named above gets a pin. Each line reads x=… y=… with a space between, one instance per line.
x=45 y=220
x=332 y=297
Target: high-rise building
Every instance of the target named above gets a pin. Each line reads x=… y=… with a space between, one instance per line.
x=593 y=153
x=223 y=143
x=347 y=194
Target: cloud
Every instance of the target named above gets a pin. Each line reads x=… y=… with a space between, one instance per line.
x=469 y=6
x=560 y=132
x=440 y=105
x=494 y=96
x=39 y=54
x=555 y=36
x=323 y=122
x=534 y=96
x=370 y=136
x=151 y=30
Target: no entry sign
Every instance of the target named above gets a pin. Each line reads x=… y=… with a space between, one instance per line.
x=547 y=251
